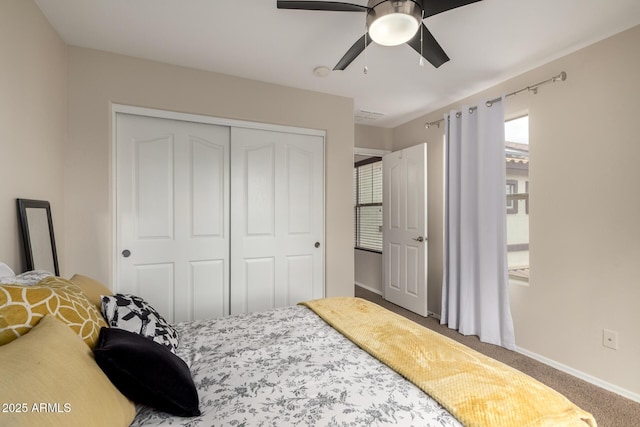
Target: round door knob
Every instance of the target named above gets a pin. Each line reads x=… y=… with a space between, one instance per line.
x=317 y=245
x=419 y=239
x=126 y=253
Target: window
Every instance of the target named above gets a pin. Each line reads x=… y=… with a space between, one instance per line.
x=367 y=198
x=517 y=190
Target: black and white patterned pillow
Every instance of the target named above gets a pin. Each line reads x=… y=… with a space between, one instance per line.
x=134 y=314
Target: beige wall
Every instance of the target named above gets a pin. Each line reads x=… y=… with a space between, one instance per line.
x=373 y=137
x=97 y=79
x=368 y=270
x=32 y=121
x=584 y=232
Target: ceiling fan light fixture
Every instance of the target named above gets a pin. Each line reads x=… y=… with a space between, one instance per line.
x=393 y=22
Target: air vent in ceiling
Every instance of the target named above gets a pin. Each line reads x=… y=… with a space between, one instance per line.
x=364 y=116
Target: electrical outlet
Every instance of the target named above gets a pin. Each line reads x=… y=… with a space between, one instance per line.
x=610 y=339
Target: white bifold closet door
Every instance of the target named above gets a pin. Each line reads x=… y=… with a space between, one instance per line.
x=213 y=219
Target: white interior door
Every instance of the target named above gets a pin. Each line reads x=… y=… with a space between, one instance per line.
x=172 y=207
x=405 y=228
x=277 y=250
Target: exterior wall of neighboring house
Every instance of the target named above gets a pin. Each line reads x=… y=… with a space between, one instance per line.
x=517 y=175
x=584 y=250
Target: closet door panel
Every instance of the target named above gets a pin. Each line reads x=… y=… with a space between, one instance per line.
x=208 y=165
x=156 y=283
x=172 y=213
x=299 y=275
x=277 y=184
x=258 y=165
x=259 y=284
x=300 y=191
x=208 y=288
x=153 y=183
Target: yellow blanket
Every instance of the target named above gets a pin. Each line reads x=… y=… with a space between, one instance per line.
x=477 y=390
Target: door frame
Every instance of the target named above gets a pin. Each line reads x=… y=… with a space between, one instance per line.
x=199 y=118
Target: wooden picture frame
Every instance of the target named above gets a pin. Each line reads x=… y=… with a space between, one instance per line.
x=38 y=240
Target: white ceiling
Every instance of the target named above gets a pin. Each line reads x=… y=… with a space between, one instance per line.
x=488 y=42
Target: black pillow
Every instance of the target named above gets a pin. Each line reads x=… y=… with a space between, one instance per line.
x=147 y=372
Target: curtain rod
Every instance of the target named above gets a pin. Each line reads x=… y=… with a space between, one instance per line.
x=533 y=88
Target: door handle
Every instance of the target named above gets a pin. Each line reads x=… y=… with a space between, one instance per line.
x=317 y=244
x=419 y=239
x=126 y=253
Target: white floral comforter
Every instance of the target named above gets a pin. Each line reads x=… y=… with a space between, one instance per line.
x=287 y=367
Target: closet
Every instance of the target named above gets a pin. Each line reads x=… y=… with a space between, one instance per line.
x=217 y=217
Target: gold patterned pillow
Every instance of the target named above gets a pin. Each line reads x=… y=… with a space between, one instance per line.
x=91 y=288
x=22 y=307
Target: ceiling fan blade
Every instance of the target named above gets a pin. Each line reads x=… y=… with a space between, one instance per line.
x=321 y=5
x=353 y=52
x=433 y=7
x=431 y=49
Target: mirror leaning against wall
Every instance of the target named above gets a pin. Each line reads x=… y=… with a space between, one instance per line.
x=38 y=239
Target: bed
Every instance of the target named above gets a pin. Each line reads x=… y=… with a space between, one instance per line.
x=329 y=362
x=289 y=367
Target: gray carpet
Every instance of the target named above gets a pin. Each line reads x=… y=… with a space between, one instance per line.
x=609 y=409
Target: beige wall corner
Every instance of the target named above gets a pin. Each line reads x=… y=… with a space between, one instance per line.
x=32 y=122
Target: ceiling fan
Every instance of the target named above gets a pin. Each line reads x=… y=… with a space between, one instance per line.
x=390 y=23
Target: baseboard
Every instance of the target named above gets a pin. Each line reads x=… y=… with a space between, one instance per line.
x=579 y=374
x=370 y=289
x=434 y=315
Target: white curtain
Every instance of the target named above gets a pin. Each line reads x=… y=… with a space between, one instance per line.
x=475 y=298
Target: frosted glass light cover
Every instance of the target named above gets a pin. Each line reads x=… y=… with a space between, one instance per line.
x=393 y=29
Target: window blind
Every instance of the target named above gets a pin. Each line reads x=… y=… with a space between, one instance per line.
x=367 y=176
